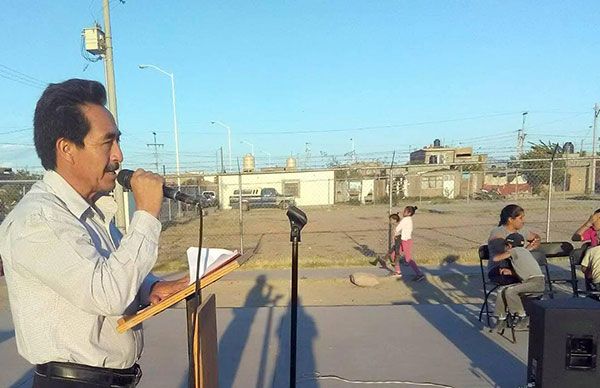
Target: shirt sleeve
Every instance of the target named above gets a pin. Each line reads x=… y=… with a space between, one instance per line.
x=62 y=256
x=403 y=224
x=587 y=234
x=146 y=288
x=589 y=256
x=398 y=230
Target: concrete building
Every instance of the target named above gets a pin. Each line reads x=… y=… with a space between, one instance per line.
x=438 y=154
x=309 y=188
x=442 y=171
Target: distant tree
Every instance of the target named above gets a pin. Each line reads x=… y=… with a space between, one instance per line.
x=469 y=167
x=12 y=192
x=190 y=182
x=537 y=172
x=332 y=162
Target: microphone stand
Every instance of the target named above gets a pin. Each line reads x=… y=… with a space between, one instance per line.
x=192 y=303
x=297 y=221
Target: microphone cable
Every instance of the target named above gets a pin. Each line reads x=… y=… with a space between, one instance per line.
x=318 y=376
x=198 y=299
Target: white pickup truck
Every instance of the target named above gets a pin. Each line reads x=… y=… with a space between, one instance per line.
x=265 y=197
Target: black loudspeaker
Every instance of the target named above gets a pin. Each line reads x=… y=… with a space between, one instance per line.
x=563 y=343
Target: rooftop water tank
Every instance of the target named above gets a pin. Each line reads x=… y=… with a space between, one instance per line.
x=290 y=164
x=248 y=163
x=569 y=148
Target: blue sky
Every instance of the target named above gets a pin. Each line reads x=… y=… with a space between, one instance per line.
x=391 y=75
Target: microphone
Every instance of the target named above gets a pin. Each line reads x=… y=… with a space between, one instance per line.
x=124 y=179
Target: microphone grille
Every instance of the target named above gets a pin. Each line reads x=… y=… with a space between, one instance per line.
x=124 y=178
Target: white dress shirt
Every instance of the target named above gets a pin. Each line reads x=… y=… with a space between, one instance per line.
x=71 y=276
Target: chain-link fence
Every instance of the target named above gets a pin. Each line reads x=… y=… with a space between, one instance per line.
x=348 y=208
x=11 y=191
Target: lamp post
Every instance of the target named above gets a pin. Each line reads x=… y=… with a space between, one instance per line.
x=228 y=138
x=175 y=129
x=250 y=144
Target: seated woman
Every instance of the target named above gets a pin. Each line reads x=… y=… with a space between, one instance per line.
x=590 y=265
x=589 y=230
x=512 y=220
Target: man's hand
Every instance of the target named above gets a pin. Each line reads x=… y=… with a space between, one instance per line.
x=165 y=288
x=147 y=190
x=535 y=243
x=505 y=271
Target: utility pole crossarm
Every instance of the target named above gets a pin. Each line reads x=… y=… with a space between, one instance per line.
x=156 y=146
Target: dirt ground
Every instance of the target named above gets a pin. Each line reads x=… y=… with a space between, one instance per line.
x=452 y=288
x=345 y=235
x=447 y=234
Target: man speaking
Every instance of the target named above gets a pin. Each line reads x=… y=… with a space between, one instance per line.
x=70 y=273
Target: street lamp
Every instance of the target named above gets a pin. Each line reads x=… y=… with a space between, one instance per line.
x=250 y=144
x=175 y=129
x=228 y=139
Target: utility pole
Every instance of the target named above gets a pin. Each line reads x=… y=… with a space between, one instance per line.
x=307 y=154
x=596 y=112
x=98 y=42
x=109 y=72
x=521 y=136
x=222 y=165
x=155 y=145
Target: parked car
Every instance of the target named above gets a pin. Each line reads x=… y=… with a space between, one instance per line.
x=265 y=197
x=210 y=198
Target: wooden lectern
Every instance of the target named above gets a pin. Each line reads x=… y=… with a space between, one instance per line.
x=202 y=336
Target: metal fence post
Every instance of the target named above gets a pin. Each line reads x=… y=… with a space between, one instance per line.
x=550 y=184
x=391 y=193
x=517 y=182
x=241 y=212
x=469 y=186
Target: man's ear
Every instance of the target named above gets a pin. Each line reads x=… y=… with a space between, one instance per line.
x=64 y=150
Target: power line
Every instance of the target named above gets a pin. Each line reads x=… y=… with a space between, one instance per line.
x=19 y=77
x=26 y=76
x=371 y=128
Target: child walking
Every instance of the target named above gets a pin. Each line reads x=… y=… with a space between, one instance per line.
x=403 y=235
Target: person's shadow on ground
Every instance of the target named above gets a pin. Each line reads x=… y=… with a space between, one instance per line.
x=235 y=337
x=305 y=357
x=489 y=361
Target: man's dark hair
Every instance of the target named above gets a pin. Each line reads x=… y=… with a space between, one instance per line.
x=395 y=217
x=58 y=114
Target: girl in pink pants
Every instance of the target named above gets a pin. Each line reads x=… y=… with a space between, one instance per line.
x=404 y=229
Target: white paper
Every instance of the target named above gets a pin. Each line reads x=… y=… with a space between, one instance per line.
x=210 y=259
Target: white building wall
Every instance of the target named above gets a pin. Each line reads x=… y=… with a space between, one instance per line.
x=315 y=187
x=366 y=188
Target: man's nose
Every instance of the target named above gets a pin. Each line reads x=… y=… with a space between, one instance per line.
x=117 y=153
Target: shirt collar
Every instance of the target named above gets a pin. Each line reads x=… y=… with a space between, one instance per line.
x=105 y=206
x=63 y=190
